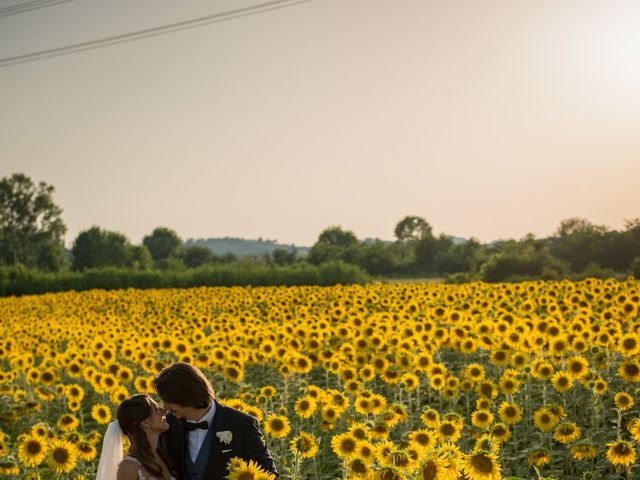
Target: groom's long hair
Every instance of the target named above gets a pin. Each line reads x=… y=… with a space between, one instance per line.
x=184 y=384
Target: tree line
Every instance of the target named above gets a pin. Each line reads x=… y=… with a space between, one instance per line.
x=32 y=231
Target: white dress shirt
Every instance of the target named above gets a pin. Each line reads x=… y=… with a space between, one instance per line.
x=195 y=438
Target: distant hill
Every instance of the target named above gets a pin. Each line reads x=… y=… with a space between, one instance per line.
x=242 y=247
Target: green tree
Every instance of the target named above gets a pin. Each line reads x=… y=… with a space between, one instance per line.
x=31 y=228
x=140 y=257
x=96 y=248
x=334 y=243
x=579 y=243
x=163 y=243
x=195 y=256
x=412 y=228
x=529 y=258
x=282 y=256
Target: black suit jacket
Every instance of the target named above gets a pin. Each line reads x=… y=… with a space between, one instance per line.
x=246 y=443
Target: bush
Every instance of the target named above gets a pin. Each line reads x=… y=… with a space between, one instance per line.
x=522 y=263
x=20 y=281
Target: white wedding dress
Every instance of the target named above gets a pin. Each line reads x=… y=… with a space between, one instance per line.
x=141 y=474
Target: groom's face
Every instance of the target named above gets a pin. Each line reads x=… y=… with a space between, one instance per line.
x=177 y=410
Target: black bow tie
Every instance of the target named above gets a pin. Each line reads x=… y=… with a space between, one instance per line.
x=193 y=426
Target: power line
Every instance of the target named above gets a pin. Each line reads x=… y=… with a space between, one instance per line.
x=28 y=6
x=150 y=32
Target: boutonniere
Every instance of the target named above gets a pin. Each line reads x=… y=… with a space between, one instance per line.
x=225 y=437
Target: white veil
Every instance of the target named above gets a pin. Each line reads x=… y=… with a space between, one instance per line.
x=111 y=454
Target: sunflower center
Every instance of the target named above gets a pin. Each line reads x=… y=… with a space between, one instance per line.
x=60 y=455
x=447 y=429
x=631 y=369
x=482 y=463
x=358 y=466
x=34 y=448
x=621 y=449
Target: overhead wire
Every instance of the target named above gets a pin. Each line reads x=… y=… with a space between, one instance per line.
x=151 y=32
x=29 y=6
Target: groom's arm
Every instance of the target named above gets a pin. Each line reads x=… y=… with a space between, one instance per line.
x=254 y=448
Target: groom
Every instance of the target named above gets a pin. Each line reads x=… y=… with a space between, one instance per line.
x=204 y=434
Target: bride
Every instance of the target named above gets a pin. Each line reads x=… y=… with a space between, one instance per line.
x=141 y=419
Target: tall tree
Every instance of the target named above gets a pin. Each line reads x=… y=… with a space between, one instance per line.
x=412 y=228
x=334 y=243
x=95 y=248
x=579 y=242
x=31 y=227
x=163 y=243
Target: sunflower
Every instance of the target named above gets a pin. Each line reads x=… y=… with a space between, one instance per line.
x=539 y=457
x=487 y=389
x=623 y=401
x=584 y=451
x=509 y=385
x=544 y=419
x=499 y=358
x=357 y=468
x=101 y=413
x=366 y=451
x=9 y=467
x=330 y=413
x=277 y=426
x=481 y=418
x=542 y=369
x=562 y=382
x=567 y=432
x=359 y=430
x=629 y=345
x=305 y=445
x=305 y=406
x=474 y=372
x=510 y=413
x=241 y=470
x=500 y=432
x=634 y=429
x=62 y=456
x=74 y=392
x=600 y=386
x=486 y=443
x=39 y=430
x=434 y=468
x=383 y=451
x=32 y=450
x=380 y=430
x=424 y=438
x=430 y=417
x=577 y=367
x=388 y=472
x=86 y=451
x=621 y=453
x=344 y=445
x=67 y=422
x=448 y=431
x=401 y=458
x=630 y=370
x=481 y=466
x=363 y=405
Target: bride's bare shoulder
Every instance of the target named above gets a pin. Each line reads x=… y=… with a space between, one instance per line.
x=128 y=471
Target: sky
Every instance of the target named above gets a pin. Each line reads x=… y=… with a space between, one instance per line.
x=489 y=119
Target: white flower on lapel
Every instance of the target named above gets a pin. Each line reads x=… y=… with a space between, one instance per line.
x=225 y=437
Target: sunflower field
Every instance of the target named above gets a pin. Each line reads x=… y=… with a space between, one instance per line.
x=388 y=382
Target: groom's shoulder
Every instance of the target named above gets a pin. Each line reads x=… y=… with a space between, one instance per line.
x=235 y=414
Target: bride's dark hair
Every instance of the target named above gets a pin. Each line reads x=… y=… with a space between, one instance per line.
x=131 y=413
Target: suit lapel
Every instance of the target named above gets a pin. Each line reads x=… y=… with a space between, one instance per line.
x=218 y=424
x=175 y=443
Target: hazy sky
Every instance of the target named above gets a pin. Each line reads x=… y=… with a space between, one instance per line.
x=487 y=118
